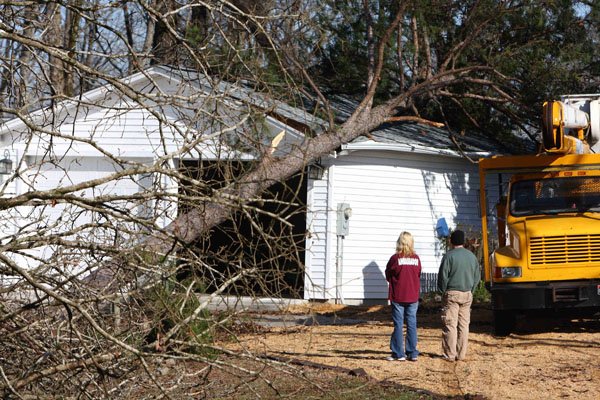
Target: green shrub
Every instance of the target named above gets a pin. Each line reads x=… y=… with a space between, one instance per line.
x=481 y=294
x=169 y=305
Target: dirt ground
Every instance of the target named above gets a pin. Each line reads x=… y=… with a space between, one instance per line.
x=546 y=358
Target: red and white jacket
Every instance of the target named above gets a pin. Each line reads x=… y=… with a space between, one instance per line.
x=403 y=274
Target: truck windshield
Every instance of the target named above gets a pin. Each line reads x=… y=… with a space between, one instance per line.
x=555 y=195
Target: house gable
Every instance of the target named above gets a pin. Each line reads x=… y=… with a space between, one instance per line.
x=171 y=111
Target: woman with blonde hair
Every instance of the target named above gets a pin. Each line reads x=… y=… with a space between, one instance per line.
x=403 y=273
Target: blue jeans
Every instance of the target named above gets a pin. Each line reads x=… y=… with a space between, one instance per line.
x=399 y=312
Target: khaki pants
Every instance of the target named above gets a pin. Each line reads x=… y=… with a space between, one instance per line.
x=456 y=316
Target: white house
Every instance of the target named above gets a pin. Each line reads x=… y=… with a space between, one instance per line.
x=401 y=177
x=153 y=118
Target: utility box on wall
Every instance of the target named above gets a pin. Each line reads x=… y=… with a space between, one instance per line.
x=344 y=212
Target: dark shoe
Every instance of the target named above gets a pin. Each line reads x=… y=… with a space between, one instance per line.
x=412 y=358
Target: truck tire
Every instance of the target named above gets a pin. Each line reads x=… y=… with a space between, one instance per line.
x=504 y=322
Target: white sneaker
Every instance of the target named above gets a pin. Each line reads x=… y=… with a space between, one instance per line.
x=390 y=358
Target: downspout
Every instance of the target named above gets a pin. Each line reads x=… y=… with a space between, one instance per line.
x=339 y=262
x=328 y=230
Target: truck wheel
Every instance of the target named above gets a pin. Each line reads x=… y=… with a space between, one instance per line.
x=504 y=322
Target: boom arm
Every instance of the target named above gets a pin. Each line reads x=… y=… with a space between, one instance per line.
x=572 y=125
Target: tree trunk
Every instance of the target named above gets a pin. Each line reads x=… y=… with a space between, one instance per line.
x=72 y=32
x=54 y=38
x=190 y=226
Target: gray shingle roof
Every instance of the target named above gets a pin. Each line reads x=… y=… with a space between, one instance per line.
x=425 y=137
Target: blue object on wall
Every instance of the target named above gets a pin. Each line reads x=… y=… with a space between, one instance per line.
x=442 y=228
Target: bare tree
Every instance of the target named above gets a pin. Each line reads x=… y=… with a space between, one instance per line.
x=109 y=256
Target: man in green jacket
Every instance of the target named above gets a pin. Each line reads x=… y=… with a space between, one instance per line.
x=457 y=279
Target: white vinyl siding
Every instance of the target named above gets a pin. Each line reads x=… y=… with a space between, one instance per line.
x=316 y=243
x=390 y=192
x=40 y=176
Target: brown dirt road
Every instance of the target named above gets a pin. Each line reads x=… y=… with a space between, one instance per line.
x=547 y=358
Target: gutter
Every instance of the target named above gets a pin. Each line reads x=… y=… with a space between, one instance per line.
x=417 y=149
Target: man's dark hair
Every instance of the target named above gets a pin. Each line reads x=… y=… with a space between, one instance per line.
x=457 y=238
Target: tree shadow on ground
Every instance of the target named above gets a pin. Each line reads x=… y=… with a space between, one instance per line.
x=428 y=316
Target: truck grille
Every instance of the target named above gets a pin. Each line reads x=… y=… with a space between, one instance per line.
x=574 y=249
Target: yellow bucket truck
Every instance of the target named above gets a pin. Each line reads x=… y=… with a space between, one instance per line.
x=548 y=221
